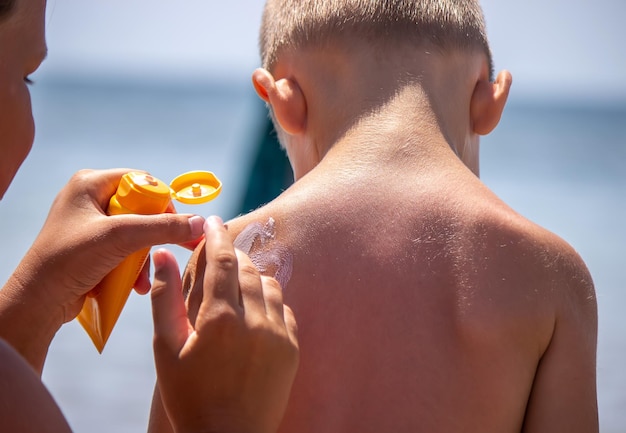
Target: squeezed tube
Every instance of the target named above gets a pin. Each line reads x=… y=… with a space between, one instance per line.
x=137 y=193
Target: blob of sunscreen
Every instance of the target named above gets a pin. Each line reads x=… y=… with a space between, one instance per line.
x=268 y=255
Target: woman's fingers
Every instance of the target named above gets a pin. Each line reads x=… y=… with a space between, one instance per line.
x=292 y=326
x=135 y=232
x=142 y=283
x=171 y=325
x=276 y=311
x=239 y=358
x=221 y=284
x=273 y=299
x=252 y=294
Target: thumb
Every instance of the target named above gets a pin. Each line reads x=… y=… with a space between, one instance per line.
x=142 y=231
x=171 y=325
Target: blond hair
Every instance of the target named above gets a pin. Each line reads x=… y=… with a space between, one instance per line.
x=447 y=24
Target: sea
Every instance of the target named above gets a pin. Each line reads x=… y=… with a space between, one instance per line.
x=561 y=163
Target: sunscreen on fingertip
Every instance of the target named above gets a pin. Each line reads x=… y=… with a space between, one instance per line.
x=138 y=193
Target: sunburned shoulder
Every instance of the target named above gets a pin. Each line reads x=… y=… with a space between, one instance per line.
x=563 y=396
x=516 y=281
x=539 y=261
x=492 y=239
x=551 y=254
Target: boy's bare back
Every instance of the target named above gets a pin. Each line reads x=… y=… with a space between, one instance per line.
x=424 y=303
x=430 y=309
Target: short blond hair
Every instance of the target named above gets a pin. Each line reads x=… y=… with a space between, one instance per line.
x=447 y=24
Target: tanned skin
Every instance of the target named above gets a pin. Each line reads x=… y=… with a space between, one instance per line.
x=424 y=302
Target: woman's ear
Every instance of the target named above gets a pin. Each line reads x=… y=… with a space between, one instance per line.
x=285 y=98
x=488 y=101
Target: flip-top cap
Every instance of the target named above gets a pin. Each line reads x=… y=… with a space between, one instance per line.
x=195 y=187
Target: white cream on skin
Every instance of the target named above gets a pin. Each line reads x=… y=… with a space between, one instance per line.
x=268 y=255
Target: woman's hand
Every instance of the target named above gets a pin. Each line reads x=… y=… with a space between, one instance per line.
x=232 y=368
x=77 y=246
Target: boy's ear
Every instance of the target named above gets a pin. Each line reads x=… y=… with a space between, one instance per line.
x=488 y=101
x=286 y=99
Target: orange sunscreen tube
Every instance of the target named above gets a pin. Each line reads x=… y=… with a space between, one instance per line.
x=138 y=193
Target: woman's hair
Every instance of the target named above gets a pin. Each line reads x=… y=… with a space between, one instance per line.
x=447 y=24
x=5 y=8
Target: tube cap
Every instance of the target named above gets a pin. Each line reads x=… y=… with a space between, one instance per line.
x=195 y=187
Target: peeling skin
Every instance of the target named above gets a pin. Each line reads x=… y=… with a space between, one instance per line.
x=269 y=256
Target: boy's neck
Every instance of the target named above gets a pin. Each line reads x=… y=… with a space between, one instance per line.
x=404 y=131
x=399 y=133
x=357 y=99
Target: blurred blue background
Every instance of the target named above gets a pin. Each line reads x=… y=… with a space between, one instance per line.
x=165 y=87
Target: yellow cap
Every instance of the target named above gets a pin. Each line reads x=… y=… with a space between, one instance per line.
x=196 y=187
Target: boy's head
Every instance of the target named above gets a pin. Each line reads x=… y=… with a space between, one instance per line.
x=329 y=64
x=445 y=24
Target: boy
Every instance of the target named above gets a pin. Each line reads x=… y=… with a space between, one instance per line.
x=424 y=302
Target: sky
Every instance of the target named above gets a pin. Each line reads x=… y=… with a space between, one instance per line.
x=565 y=48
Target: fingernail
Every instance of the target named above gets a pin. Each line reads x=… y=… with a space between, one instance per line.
x=214 y=222
x=158 y=260
x=196 y=223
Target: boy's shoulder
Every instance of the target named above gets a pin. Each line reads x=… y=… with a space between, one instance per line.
x=486 y=242
x=527 y=245
x=510 y=246
x=528 y=273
